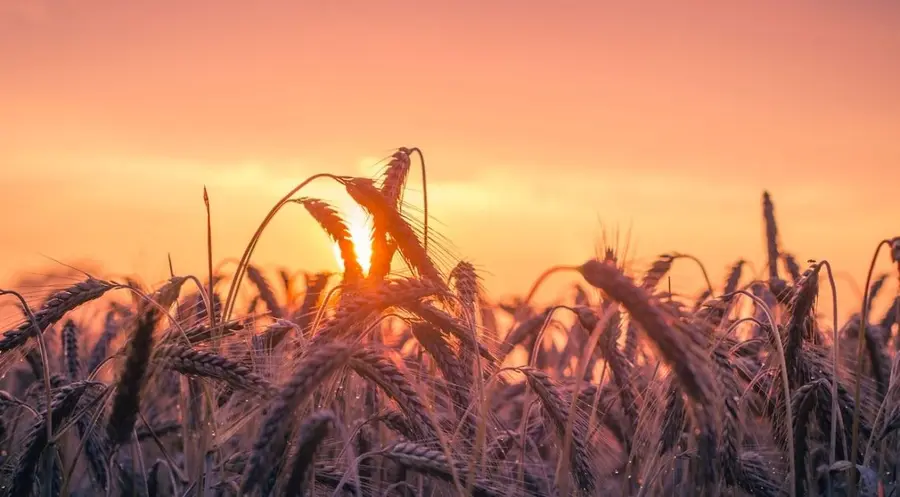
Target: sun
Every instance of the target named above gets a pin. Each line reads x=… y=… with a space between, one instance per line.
x=360 y=226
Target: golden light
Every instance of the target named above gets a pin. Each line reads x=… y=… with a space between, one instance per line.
x=360 y=226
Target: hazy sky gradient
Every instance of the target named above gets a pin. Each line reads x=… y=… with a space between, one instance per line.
x=539 y=121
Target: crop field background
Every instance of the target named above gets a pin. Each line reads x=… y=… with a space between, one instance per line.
x=376 y=381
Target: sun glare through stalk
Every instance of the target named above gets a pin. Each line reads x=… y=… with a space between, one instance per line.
x=360 y=226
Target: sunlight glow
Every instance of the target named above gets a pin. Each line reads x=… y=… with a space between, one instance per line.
x=360 y=225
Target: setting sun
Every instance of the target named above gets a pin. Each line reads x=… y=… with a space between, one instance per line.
x=360 y=226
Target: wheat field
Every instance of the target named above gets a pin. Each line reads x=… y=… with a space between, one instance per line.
x=399 y=376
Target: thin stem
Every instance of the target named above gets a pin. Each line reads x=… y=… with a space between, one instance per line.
x=583 y=361
x=61 y=430
x=173 y=468
x=104 y=397
x=45 y=365
x=776 y=337
x=835 y=355
x=245 y=258
x=709 y=286
x=320 y=312
x=139 y=457
x=209 y=306
x=424 y=195
x=734 y=326
x=860 y=349
x=540 y=280
x=204 y=296
x=532 y=360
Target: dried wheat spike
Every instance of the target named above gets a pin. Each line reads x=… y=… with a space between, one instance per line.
x=757 y=477
x=361 y=306
x=793 y=268
x=733 y=425
x=376 y=367
x=364 y=192
x=458 y=377
x=128 y=388
x=734 y=276
x=682 y=351
x=394 y=179
x=392 y=185
x=168 y=293
x=189 y=361
x=895 y=249
x=801 y=325
x=837 y=477
x=657 y=271
x=449 y=324
x=336 y=228
x=771 y=235
x=265 y=291
x=70 y=350
x=466 y=283
x=63 y=405
x=314 y=368
x=312 y=431
x=433 y=462
x=101 y=347
x=54 y=309
x=557 y=410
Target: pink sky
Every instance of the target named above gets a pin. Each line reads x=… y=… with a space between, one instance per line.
x=537 y=119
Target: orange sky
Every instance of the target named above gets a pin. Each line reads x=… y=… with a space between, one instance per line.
x=539 y=121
